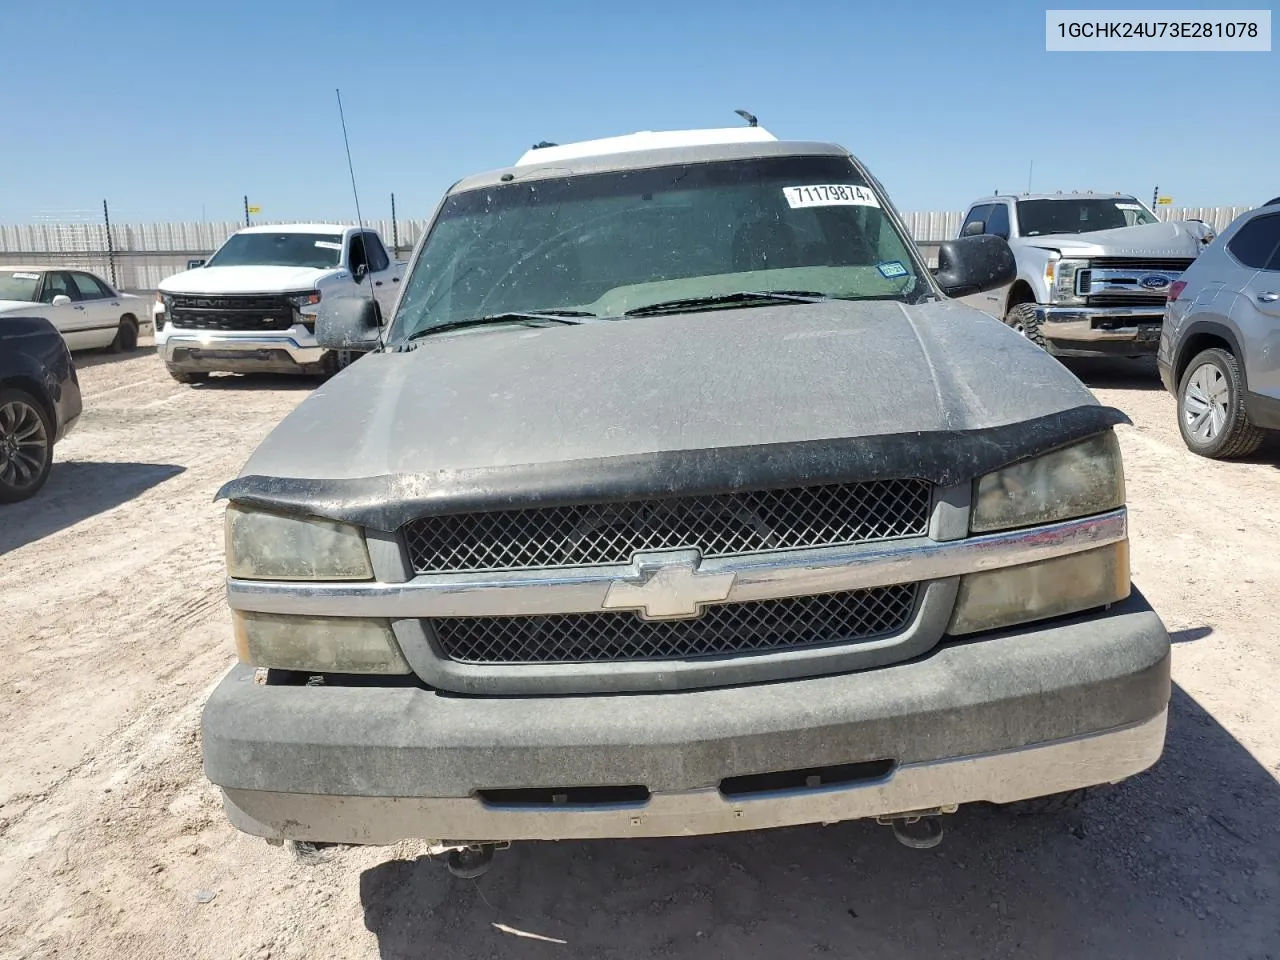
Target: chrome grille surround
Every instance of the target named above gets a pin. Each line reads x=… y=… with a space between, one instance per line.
x=718 y=525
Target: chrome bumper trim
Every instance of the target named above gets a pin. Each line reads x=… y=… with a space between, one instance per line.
x=1076 y=323
x=756 y=577
x=1003 y=776
x=299 y=353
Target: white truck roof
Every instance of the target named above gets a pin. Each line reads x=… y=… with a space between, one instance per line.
x=644 y=140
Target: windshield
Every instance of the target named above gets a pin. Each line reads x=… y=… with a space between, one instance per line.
x=604 y=244
x=320 y=250
x=18 y=285
x=1039 y=217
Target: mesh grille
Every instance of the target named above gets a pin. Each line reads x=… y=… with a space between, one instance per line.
x=725 y=628
x=718 y=526
x=231 y=313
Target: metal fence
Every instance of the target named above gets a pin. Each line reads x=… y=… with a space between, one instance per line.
x=139 y=256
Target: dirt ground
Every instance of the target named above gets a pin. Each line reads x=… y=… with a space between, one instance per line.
x=113 y=630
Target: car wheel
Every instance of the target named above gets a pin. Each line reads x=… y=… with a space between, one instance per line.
x=26 y=445
x=1022 y=318
x=126 y=340
x=1211 y=412
x=185 y=376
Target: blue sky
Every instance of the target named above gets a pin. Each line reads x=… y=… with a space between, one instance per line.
x=174 y=111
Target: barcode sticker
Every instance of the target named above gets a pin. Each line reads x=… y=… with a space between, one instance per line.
x=1128 y=206
x=328 y=245
x=830 y=195
x=26 y=276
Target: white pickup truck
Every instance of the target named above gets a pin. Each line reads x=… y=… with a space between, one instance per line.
x=252 y=306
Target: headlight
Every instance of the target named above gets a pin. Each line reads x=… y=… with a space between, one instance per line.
x=305 y=304
x=1076 y=481
x=271 y=546
x=1037 y=591
x=319 y=644
x=1060 y=278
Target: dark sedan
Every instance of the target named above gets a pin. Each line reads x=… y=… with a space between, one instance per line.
x=39 y=403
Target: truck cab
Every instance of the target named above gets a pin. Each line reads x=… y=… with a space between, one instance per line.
x=251 y=307
x=1094 y=269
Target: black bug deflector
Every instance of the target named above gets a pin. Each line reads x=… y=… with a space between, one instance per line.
x=943 y=457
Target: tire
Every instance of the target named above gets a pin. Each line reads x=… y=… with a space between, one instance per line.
x=1051 y=805
x=26 y=445
x=126 y=340
x=183 y=376
x=1022 y=318
x=1211 y=415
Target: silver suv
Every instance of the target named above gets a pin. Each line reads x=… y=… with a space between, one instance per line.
x=1219 y=350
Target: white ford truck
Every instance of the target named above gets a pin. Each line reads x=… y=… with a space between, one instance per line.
x=1094 y=270
x=252 y=306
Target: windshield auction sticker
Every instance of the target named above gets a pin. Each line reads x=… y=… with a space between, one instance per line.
x=1189 y=31
x=328 y=245
x=26 y=276
x=829 y=195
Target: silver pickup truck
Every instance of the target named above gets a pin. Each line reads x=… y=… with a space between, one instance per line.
x=677 y=497
x=1094 y=269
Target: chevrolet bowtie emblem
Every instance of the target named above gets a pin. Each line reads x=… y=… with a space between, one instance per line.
x=668 y=586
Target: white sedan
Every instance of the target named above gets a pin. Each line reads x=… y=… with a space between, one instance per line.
x=86 y=310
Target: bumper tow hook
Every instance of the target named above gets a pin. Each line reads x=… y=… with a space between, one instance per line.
x=472 y=861
x=918 y=829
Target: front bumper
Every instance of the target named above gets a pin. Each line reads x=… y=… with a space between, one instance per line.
x=1101 y=331
x=1022 y=713
x=195 y=351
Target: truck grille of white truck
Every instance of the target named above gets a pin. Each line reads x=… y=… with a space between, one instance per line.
x=230 y=313
x=716 y=525
x=728 y=628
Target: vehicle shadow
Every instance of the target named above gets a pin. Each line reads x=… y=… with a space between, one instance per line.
x=1115 y=373
x=84 y=359
x=257 y=381
x=74 y=491
x=1180 y=861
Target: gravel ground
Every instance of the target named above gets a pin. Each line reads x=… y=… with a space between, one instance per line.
x=113 y=631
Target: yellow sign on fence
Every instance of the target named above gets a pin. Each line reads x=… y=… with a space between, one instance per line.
x=255 y=209
x=1161 y=201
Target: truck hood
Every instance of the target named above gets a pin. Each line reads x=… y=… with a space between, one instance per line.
x=255 y=279
x=730 y=398
x=1173 y=238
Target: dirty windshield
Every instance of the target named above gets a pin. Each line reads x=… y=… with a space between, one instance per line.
x=607 y=244
x=1037 y=218
x=320 y=250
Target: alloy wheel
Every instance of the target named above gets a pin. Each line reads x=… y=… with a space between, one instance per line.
x=1204 y=403
x=24 y=444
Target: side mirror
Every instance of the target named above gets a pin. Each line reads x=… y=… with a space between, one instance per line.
x=974 y=264
x=194 y=264
x=348 y=323
x=61 y=300
x=974 y=228
x=359 y=271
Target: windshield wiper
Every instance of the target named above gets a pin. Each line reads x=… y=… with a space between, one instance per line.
x=746 y=298
x=528 y=318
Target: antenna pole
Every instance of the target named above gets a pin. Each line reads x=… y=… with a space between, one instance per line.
x=395 y=234
x=1030 y=169
x=359 y=217
x=246 y=210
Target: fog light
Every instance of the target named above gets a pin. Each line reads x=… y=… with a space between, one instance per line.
x=1037 y=591
x=317 y=644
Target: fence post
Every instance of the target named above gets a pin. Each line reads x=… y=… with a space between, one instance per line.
x=111 y=253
